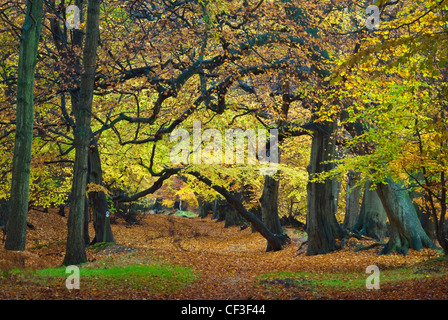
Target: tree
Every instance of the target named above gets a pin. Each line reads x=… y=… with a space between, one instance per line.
x=269 y=205
x=390 y=87
x=205 y=207
x=97 y=198
x=324 y=232
x=406 y=230
x=275 y=241
x=269 y=200
x=67 y=51
x=75 y=253
x=372 y=217
x=352 y=200
x=29 y=42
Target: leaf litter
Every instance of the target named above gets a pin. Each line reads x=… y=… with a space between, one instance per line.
x=229 y=263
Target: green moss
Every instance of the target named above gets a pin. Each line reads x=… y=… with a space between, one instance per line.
x=343 y=281
x=113 y=274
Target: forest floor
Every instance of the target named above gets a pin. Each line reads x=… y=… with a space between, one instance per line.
x=170 y=257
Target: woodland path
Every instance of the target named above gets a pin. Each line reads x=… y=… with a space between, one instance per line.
x=229 y=262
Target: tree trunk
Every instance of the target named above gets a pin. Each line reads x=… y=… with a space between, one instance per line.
x=215 y=209
x=205 y=208
x=232 y=218
x=75 y=253
x=29 y=43
x=75 y=100
x=248 y=195
x=257 y=212
x=406 y=232
x=276 y=241
x=98 y=199
x=4 y=212
x=86 y=222
x=324 y=232
x=372 y=220
x=220 y=212
x=72 y=62
x=269 y=206
x=352 y=200
x=227 y=213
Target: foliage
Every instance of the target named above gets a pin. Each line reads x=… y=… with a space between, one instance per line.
x=391 y=98
x=238 y=64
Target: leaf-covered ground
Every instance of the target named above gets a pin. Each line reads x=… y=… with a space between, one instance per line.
x=169 y=257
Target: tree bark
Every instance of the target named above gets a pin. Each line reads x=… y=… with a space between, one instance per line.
x=215 y=209
x=75 y=253
x=98 y=199
x=86 y=222
x=4 y=212
x=352 y=200
x=227 y=213
x=220 y=213
x=276 y=241
x=205 y=208
x=324 y=232
x=269 y=206
x=257 y=212
x=269 y=197
x=406 y=231
x=372 y=220
x=29 y=43
x=72 y=62
x=232 y=218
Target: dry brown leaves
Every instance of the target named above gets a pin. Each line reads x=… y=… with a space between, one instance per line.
x=229 y=261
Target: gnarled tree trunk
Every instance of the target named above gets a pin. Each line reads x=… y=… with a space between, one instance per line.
x=324 y=231
x=372 y=220
x=406 y=231
x=269 y=206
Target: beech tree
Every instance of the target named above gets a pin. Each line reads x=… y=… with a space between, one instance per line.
x=223 y=79
x=406 y=229
x=372 y=217
x=75 y=253
x=29 y=42
x=386 y=118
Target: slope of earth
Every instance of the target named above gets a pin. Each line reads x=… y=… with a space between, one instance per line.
x=229 y=263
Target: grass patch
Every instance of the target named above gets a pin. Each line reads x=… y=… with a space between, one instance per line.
x=130 y=272
x=343 y=281
x=181 y=213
